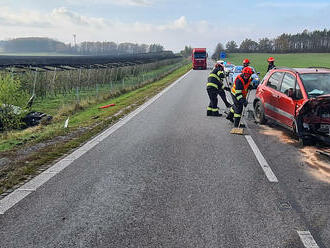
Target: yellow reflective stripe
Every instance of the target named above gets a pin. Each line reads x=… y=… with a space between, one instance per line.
x=213 y=85
x=238 y=91
x=239 y=97
x=219 y=73
x=232 y=110
x=215 y=76
x=223 y=86
x=237 y=115
x=213 y=109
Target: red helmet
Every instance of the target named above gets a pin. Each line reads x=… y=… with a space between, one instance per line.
x=247 y=70
x=246 y=61
x=270 y=59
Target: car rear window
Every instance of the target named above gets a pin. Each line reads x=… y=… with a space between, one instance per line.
x=275 y=80
x=316 y=84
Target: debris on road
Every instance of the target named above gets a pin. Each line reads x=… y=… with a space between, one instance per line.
x=281 y=135
x=320 y=165
x=310 y=155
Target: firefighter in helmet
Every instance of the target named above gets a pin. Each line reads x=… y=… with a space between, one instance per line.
x=239 y=91
x=215 y=87
x=271 y=64
x=246 y=63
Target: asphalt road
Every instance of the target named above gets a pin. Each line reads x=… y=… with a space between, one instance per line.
x=173 y=177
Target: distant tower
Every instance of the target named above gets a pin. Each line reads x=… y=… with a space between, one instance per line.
x=75 y=40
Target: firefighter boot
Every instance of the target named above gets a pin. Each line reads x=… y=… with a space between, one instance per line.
x=217 y=114
x=209 y=113
x=236 y=122
x=230 y=117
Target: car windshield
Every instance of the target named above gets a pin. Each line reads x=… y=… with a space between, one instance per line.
x=316 y=84
x=200 y=55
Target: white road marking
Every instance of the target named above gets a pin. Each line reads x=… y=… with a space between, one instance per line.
x=11 y=199
x=19 y=194
x=307 y=239
x=37 y=181
x=262 y=161
x=26 y=189
x=59 y=166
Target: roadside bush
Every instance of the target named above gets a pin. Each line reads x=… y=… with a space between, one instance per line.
x=13 y=100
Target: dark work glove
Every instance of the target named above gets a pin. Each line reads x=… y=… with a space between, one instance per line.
x=226 y=88
x=245 y=103
x=250 y=87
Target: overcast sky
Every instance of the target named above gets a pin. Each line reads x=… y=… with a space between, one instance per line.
x=171 y=23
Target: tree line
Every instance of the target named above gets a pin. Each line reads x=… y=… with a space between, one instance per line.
x=305 y=42
x=37 y=44
x=186 y=52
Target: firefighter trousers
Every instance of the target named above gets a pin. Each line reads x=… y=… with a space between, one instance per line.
x=213 y=95
x=235 y=112
x=212 y=109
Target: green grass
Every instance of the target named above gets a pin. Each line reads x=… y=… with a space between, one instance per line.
x=259 y=60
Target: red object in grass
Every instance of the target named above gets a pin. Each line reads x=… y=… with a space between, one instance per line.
x=107 y=106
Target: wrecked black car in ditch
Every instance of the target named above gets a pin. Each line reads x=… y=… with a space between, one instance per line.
x=24 y=118
x=298 y=99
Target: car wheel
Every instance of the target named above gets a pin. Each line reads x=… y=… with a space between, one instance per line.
x=259 y=113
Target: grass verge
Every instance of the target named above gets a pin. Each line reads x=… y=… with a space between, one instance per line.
x=47 y=143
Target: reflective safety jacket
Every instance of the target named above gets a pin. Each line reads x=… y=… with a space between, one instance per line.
x=215 y=79
x=240 y=87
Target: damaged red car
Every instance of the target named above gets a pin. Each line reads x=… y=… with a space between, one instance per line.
x=298 y=99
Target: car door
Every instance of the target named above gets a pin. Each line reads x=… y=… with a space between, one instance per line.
x=271 y=95
x=286 y=103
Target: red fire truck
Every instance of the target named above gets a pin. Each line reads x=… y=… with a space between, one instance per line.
x=199 y=57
